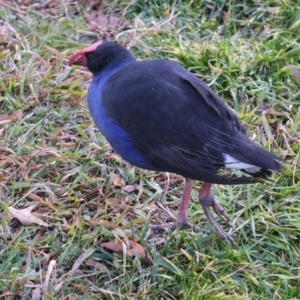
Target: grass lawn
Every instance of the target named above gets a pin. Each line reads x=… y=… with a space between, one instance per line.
x=74 y=216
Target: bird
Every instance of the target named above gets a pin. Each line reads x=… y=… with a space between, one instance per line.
x=159 y=116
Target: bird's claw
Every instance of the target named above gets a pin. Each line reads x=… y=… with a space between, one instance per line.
x=219 y=210
x=210 y=201
x=172 y=225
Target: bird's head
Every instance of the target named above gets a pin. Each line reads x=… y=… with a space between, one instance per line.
x=100 y=55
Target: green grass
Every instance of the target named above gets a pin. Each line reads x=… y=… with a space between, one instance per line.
x=52 y=156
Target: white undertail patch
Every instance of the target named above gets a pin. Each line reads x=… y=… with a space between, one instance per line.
x=232 y=163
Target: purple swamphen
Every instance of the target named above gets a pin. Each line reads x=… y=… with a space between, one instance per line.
x=159 y=116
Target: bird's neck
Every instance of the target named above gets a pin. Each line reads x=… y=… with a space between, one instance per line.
x=105 y=68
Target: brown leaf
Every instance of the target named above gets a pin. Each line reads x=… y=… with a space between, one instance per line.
x=96 y=265
x=295 y=73
x=130 y=188
x=117 y=180
x=4 y=119
x=40 y=200
x=97 y=20
x=135 y=249
x=25 y=216
x=116 y=158
x=113 y=246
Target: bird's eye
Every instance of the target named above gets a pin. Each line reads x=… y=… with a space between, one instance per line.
x=89 y=55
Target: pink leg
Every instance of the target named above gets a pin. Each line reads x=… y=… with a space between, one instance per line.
x=182 y=217
x=207 y=199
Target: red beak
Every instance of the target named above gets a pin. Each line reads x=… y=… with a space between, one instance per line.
x=79 y=58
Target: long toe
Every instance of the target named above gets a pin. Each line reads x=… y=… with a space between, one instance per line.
x=207 y=200
x=181 y=223
x=220 y=231
x=172 y=225
x=219 y=210
x=165 y=210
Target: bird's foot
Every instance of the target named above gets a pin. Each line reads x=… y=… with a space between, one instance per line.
x=219 y=210
x=207 y=200
x=176 y=222
x=173 y=225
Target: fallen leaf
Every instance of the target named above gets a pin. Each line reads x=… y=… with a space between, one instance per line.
x=25 y=216
x=295 y=73
x=96 y=265
x=138 y=250
x=130 y=188
x=78 y=262
x=4 y=119
x=264 y=33
x=37 y=293
x=116 y=158
x=97 y=20
x=135 y=249
x=117 y=180
x=113 y=246
x=11 y=7
x=50 y=269
x=88 y=4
